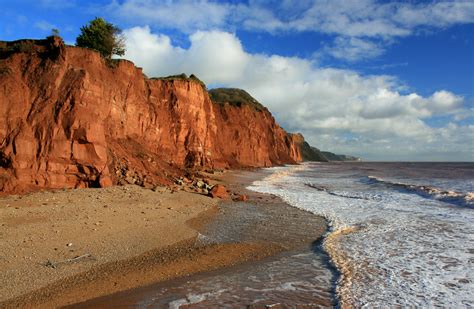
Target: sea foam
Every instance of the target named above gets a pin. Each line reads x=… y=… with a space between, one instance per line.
x=391 y=246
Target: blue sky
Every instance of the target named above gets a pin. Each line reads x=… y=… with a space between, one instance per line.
x=384 y=80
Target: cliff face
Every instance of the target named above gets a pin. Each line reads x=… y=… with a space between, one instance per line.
x=67 y=119
x=308 y=153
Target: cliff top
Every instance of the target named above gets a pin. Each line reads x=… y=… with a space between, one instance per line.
x=23 y=46
x=235 y=97
x=182 y=76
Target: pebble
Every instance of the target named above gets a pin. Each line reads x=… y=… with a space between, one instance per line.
x=69 y=244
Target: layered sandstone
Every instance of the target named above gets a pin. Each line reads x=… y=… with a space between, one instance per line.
x=69 y=119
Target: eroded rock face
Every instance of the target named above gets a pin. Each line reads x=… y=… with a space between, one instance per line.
x=308 y=153
x=68 y=120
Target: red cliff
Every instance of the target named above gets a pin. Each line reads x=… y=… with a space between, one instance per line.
x=69 y=119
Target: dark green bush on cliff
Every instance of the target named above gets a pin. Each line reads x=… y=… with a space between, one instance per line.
x=103 y=37
x=234 y=97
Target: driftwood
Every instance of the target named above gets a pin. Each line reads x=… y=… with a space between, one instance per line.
x=52 y=264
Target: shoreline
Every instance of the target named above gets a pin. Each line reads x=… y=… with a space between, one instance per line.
x=162 y=260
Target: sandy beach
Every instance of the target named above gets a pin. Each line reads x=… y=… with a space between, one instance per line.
x=64 y=247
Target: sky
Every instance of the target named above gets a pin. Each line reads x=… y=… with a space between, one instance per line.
x=382 y=80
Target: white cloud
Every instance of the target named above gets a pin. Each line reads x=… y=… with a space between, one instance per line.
x=184 y=15
x=438 y=14
x=152 y=52
x=352 y=49
x=217 y=57
x=362 y=18
x=362 y=29
x=350 y=18
x=444 y=101
x=370 y=18
x=333 y=108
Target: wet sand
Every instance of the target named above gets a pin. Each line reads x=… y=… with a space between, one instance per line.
x=64 y=247
x=298 y=274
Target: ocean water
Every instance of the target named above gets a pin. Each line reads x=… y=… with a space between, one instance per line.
x=402 y=234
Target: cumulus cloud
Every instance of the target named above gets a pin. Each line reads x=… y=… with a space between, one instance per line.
x=444 y=101
x=153 y=52
x=217 y=57
x=335 y=109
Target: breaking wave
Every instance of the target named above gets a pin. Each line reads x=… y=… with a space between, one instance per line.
x=357 y=196
x=465 y=199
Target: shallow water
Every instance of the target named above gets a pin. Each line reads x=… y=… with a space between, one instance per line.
x=292 y=278
x=405 y=230
x=301 y=276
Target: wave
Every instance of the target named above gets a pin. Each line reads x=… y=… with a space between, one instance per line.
x=359 y=196
x=465 y=199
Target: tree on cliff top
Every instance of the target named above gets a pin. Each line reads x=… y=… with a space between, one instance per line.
x=103 y=37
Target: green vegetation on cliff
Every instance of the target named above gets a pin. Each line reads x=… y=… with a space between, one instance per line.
x=338 y=157
x=234 y=97
x=311 y=153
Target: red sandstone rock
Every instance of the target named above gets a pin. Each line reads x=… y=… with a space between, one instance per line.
x=69 y=120
x=219 y=191
x=242 y=198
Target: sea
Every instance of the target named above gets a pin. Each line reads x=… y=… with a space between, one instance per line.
x=400 y=235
